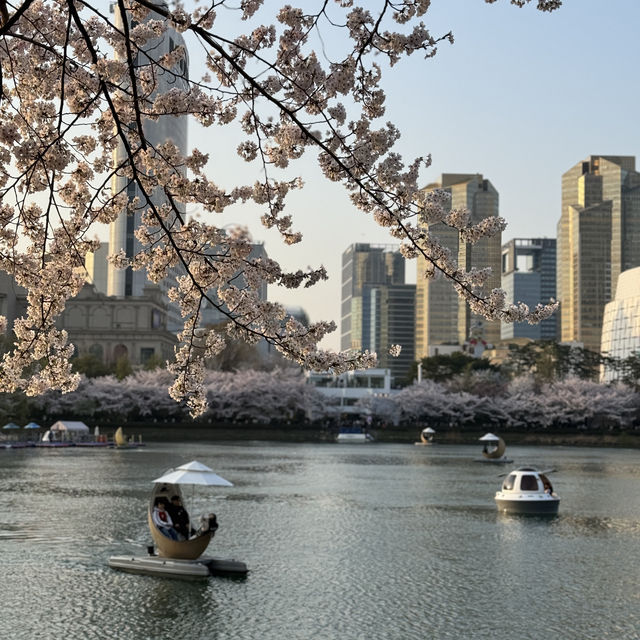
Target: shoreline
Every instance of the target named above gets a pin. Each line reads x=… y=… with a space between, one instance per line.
x=304 y=433
x=205 y=433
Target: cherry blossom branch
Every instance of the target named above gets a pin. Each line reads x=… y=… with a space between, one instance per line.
x=69 y=73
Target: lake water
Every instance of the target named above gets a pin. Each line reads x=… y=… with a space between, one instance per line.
x=345 y=542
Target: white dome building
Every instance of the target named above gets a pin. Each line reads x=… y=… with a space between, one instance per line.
x=621 y=321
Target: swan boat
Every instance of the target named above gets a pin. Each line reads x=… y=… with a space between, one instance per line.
x=527 y=491
x=182 y=558
x=493 y=449
x=120 y=441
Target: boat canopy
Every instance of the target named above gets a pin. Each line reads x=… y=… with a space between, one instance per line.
x=193 y=473
x=70 y=425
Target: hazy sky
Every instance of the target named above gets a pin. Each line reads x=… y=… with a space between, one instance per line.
x=520 y=97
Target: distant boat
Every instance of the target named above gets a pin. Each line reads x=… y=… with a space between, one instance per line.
x=353 y=435
x=121 y=441
x=426 y=436
x=527 y=491
x=493 y=449
x=48 y=440
x=10 y=440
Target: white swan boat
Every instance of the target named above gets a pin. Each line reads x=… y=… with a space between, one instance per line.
x=183 y=557
x=527 y=491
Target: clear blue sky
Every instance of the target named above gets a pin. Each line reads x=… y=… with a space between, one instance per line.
x=520 y=97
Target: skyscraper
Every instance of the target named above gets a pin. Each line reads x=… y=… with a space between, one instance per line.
x=598 y=238
x=129 y=283
x=442 y=317
x=377 y=305
x=529 y=276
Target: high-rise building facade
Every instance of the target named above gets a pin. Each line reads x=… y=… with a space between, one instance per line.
x=442 y=317
x=126 y=282
x=397 y=326
x=378 y=307
x=529 y=276
x=598 y=238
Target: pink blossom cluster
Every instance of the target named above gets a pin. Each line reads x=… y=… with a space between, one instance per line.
x=522 y=403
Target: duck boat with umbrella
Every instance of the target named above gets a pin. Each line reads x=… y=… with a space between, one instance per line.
x=493 y=449
x=181 y=555
x=426 y=437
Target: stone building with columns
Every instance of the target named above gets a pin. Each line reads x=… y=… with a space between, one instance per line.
x=111 y=328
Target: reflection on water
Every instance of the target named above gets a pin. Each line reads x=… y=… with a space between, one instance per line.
x=367 y=541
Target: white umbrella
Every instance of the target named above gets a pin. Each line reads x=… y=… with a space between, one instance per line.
x=428 y=430
x=193 y=473
x=489 y=437
x=11 y=425
x=32 y=425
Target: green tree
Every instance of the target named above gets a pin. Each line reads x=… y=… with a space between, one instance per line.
x=90 y=365
x=122 y=368
x=547 y=361
x=153 y=363
x=444 y=367
x=629 y=368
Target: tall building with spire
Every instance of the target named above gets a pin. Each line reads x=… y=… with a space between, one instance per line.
x=598 y=238
x=125 y=283
x=442 y=317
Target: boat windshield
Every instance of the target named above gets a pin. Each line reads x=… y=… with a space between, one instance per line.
x=528 y=483
x=510 y=480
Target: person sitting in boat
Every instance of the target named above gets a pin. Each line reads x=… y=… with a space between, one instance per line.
x=162 y=519
x=546 y=484
x=179 y=517
x=208 y=522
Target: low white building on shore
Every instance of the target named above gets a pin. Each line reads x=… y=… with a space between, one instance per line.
x=345 y=390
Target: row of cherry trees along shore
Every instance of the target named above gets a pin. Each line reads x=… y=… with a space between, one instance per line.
x=282 y=397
